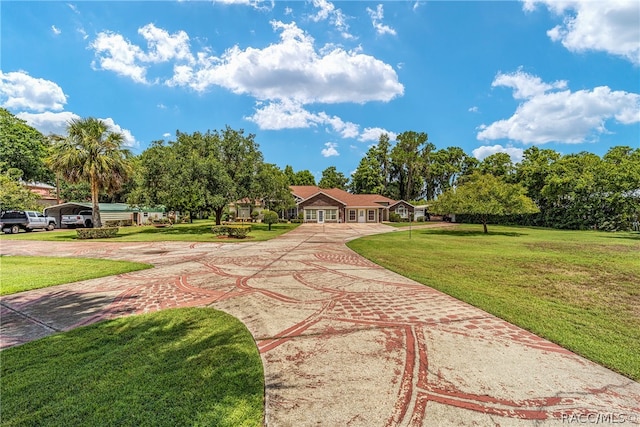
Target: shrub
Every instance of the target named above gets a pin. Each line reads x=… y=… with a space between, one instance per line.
x=394 y=217
x=269 y=217
x=118 y=223
x=97 y=233
x=239 y=231
x=232 y=230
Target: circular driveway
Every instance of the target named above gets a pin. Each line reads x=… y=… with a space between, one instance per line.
x=344 y=342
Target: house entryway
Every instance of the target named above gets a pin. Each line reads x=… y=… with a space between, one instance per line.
x=320 y=217
x=361 y=215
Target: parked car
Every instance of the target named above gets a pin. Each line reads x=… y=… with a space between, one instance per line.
x=81 y=219
x=14 y=221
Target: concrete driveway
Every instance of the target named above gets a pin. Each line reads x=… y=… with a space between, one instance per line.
x=344 y=342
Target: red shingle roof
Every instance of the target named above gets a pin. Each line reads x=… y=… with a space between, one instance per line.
x=351 y=200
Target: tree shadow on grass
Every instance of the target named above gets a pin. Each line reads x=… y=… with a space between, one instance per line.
x=173 y=367
x=468 y=233
x=635 y=236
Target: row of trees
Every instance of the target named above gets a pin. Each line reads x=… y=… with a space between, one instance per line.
x=573 y=191
x=204 y=172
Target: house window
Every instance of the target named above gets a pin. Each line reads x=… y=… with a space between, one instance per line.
x=371 y=215
x=352 y=215
x=146 y=214
x=402 y=211
x=331 y=214
x=310 y=214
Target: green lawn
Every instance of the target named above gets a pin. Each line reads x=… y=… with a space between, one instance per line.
x=580 y=289
x=23 y=273
x=198 y=231
x=171 y=368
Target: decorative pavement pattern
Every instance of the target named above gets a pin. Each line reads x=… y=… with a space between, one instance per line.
x=344 y=342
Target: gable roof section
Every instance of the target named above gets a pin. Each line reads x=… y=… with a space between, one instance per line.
x=402 y=201
x=350 y=200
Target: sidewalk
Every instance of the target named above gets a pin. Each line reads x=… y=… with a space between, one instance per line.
x=343 y=341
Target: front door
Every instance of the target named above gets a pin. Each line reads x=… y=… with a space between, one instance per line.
x=320 y=217
x=361 y=217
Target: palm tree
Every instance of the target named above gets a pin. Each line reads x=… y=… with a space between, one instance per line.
x=92 y=153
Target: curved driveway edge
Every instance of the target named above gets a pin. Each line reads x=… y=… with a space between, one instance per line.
x=344 y=342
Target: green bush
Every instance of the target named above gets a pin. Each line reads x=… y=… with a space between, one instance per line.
x=97 y=233
x=236 y=231
x=394 y=217
x=269 y=217
x=239 y=231
x=118 y=223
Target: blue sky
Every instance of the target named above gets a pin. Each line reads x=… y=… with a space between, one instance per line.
x=318 y=81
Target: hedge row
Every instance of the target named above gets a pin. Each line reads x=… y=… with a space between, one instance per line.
x=235 y=231
x=97 y=233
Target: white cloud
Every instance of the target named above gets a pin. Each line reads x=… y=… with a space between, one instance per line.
x=288 y=114
x=129 y=140
x=294 y=69
x=55 y=30
x=166 y=135
x=548 y=114
x=525 y=85
x=74 y=8
x=161 y=106
x=18 y=90
x=49 y=122
x=56 y=123
x=376 y=20
x=330 y=149
x=612 y=26
x=119 y=55
x=163 y=47
x=327 y=11
x=486 y=150
x=373 y=134
x=257 y=4
x=473 y=109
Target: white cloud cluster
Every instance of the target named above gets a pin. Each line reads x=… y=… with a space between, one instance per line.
x=293 y=69
x=612 y=26
x=481 y=153
x=287 y=114
x=552 y=113
x=327 y=11
x=373 y=134
x=117 y=54
x=330 y=150
x=376 y=20
x=18 y=90
x=56 y=31
x=284 y=77
x=43 y=99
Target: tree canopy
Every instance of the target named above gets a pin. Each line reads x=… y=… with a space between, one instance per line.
x=22 y=147
x=484 y=195
x=92 y=153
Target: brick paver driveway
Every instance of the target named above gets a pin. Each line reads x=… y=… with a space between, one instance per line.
x=343 y=341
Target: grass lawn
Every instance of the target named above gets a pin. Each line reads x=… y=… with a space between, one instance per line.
x=198 y=231
x=23 y=273
x=579 y=289
x=171 y=368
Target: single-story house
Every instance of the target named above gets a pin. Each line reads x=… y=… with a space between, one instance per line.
x=243 y=208
x=322 y=205
x=421 y=211
x=108 y=212
x=46 y=193
x=404 y=209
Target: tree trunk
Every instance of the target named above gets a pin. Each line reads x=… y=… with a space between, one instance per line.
x=95 y=216
x=484 y=225
x=218 y=212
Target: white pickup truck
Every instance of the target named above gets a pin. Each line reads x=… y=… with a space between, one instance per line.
x=81 y=219
x=14 y=221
